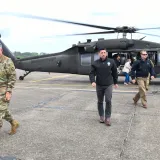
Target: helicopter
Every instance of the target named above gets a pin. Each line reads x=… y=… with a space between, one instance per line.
x=79 y=57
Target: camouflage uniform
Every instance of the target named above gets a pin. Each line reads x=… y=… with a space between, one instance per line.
x=7 y=81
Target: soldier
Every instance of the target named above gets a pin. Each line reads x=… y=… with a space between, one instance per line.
x=106 y=75
x=143 y=68
x=7 y=81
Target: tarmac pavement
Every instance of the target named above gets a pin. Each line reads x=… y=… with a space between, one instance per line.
x=59 y=120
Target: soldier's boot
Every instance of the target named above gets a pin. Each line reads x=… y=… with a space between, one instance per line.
x=14 y=126
x=135 y=101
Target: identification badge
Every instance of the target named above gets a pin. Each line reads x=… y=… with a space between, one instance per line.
x=108 y=63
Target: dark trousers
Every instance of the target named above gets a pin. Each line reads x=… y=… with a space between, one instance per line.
x=104 y=91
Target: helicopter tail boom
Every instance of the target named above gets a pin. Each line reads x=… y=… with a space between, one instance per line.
x=7 y=52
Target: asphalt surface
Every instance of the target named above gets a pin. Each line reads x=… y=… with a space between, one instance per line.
x=59 y=121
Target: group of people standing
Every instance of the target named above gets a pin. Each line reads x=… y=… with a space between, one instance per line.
x=127 y=69
x=105 y=70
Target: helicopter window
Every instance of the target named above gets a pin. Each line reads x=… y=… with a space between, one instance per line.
x=96 y=56
x=158 y=58
x=85 y=59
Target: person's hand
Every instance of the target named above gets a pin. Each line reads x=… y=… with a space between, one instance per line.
x=133 y=81
x=8 y=96
x=93 y=84
x=116 y=86
x=152 y=77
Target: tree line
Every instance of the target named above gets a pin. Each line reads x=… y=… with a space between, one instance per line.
x=26 y=54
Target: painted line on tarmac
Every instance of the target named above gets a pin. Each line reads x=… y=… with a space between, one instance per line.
x=85 y=90
x=85 y=85
x=53 y=85
x=54 y=77
x=75 y=89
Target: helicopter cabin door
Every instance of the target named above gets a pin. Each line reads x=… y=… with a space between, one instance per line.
x=84 y=65
x=156 y=61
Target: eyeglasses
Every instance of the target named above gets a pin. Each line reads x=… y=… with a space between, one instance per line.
x=144 y=54
x=103 y=52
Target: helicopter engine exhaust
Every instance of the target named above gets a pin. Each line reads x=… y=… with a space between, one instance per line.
x=115 y=44
x=89 y=48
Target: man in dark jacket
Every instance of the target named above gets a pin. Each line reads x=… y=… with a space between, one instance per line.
x=118 y=60
x=106 y=74
x=143 y=68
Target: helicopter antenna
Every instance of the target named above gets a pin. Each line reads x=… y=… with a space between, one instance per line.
x=142 y=38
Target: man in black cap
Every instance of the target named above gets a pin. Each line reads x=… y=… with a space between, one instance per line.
x=106 y=74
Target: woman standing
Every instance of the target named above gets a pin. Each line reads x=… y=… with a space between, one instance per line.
x=126 y=70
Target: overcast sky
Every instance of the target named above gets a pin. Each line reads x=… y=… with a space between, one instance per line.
x=21 y=34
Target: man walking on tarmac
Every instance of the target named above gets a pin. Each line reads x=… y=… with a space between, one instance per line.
x=7 y=81
x=106 y=74
x=143 y=68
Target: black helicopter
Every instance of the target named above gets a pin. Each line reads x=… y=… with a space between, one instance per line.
x=78 y=58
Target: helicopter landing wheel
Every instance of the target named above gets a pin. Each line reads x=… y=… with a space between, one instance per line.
x=21 y=78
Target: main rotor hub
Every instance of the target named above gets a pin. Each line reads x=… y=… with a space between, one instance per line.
x=125 y=29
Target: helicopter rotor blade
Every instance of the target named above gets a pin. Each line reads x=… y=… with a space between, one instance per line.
x=55 y=20
x=148 y=34
x=90 y=33
x=80 y=34
x=113 y=30
x=147 y=28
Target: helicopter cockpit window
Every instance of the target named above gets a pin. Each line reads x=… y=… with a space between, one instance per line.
x=158 y=58
x=85 y=59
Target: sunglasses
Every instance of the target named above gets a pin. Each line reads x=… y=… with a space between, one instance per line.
x=103 y=52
